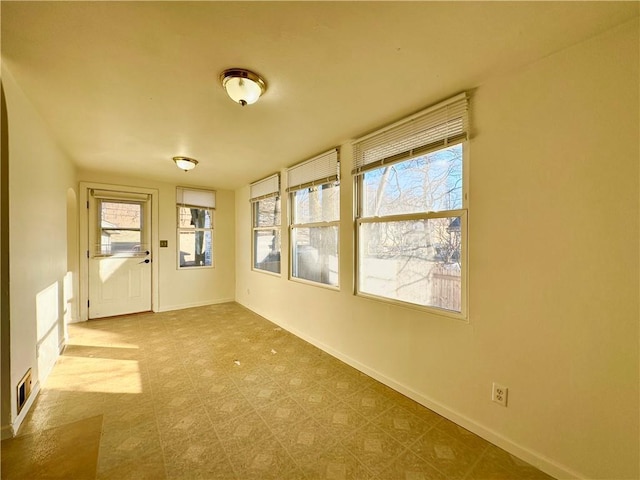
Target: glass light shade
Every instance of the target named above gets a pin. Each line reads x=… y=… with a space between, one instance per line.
x=243 y=86
x=243 y=90
x=185 y=163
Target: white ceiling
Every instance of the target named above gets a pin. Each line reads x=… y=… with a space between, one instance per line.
x=126 y=86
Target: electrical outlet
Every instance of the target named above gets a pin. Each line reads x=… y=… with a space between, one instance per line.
x=499 y=394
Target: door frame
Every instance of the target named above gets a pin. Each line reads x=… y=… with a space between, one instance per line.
x=85 y=187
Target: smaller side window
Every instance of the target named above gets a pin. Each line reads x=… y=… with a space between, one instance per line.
x=265 y=224
x=315 y=233
x=266 y=234
x=195 y=227
x=314 y=227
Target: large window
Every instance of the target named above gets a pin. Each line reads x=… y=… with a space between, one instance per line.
x=195 y=227
x=315 y=218
x=266 y=217
x=411 y=213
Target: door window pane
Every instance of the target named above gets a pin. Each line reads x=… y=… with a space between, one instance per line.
x=120 y=228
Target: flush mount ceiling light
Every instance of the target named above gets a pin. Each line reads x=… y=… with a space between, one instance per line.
x=243 y=86
x=185 y=163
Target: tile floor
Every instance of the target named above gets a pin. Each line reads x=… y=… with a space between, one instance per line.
x=219 y=392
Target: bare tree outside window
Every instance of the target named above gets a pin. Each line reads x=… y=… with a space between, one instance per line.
x=410 y=230
x=195 y=236
x=315 y=233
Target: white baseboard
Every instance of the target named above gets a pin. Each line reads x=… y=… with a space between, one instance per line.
x=15 y=426
x=182 y=306
x=536 y=459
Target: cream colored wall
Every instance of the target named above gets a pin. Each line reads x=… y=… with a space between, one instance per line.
x=187 y=287
x=40 y=175
x=553 y=265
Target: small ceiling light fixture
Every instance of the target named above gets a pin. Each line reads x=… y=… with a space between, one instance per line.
x=185 y=163
x=243 y=86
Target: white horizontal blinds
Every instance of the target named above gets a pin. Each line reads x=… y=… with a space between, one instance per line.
x=267 y=187
x=436 y=127
x=322 y=169
x=195 y=198
x=113 y=195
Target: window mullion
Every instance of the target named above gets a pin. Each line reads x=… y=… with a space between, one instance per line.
x=412 y=216
x=315 y=224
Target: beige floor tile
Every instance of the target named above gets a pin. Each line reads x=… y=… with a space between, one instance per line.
x=463 y=435
x=223 y=409
x=266 y=460
x=218 y=392
x=498 y=464
x=446 y=454
x=336 y=463
x=241 y=433
x=367 y=403
x=409 y=466
x=373 y=447
x=68 y=451
x=402 y=425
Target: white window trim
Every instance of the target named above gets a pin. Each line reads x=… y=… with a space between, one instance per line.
x=463 y=213
x=323 y=169
x=205 y=200
x=254 y=229
x=260 y=190
x=293 y=226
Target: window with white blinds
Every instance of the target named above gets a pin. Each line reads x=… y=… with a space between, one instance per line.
x=195 y=197
x=265 y=224
x=412 y=209
x=324 y=168
x=314 y=193
x=195 y=208
x=267 y=187
x=436 y=127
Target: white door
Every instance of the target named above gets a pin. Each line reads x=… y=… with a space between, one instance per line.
x=119 y=253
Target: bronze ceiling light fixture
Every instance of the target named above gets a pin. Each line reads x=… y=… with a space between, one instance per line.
x=243 y=86
x=185 y=163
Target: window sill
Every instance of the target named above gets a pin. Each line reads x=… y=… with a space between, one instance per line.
x=440 y=312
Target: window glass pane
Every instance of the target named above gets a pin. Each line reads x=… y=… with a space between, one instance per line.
x=120 y=228
x=315 y=254
x=121 y=215
x=429 y=183
x=195 y=248
x=266 y=212
x=113 y=242
x=414 y=261
x=194 y=217
x=266 y=250
x=317 y=204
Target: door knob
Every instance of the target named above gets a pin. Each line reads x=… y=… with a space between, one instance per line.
x=146 y=260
